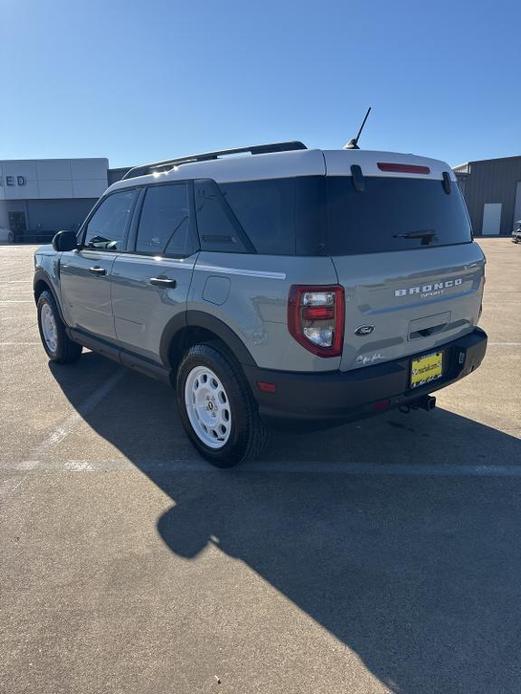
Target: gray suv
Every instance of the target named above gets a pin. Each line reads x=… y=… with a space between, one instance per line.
x=273 y=284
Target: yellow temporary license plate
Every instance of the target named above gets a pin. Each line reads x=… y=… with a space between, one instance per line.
x=426 y=369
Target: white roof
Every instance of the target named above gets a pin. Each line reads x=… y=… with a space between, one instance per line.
x=306 y=162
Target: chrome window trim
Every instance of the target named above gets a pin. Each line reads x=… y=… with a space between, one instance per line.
x=240 y=271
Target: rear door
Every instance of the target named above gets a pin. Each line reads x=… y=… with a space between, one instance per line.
x=403 y=250
x=85 y=273
x=150 y=283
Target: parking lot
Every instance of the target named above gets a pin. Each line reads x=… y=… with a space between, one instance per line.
x=382 y=556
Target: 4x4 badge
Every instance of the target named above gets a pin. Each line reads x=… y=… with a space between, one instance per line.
x=364 y=330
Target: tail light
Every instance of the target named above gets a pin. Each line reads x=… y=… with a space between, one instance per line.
x=316 y=318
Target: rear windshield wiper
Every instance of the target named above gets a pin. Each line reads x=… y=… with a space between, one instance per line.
x=426 y=236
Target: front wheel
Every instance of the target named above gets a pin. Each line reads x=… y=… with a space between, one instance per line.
x=56 y=343
x=216 y=407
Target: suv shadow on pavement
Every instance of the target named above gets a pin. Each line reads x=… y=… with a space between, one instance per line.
x=417 y=574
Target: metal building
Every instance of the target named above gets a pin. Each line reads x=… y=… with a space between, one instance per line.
x=492 y=190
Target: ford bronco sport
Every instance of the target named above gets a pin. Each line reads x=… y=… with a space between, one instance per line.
x=290 y=285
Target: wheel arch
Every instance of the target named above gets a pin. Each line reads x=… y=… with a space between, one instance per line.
x=42 y=283
x=192 y=327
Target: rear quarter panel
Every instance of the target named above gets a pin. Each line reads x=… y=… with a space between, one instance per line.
x=250 y=294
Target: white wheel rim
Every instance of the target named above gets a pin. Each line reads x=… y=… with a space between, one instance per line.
x=208 y=407
x=49 y=327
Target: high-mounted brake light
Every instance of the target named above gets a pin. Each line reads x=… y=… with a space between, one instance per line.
x=403 y=168
x=316 y=318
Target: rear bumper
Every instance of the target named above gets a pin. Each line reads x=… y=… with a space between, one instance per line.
x=334 y=397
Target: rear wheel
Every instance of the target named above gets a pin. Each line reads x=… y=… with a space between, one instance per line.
x=216 y=407
x=56 y=343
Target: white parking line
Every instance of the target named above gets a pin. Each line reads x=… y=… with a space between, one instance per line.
x=74 y=419
x=8 y=486
x=290 y=468
x=61 y=432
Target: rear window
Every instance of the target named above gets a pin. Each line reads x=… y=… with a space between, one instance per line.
x=326 y=215
x=393 y=214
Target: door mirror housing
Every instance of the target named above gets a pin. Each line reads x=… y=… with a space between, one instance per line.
x=65 y=241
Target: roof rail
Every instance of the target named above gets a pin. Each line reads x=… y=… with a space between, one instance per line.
x=167 y=164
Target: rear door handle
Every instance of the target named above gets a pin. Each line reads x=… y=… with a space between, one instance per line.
x=97 y=270
x=163 y=281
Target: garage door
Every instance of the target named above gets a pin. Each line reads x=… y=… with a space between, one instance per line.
x=517 y=207
x=491 y=218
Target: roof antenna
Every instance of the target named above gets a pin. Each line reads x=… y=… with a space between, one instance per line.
x=353 y=143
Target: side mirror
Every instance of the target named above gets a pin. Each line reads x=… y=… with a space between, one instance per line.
x=65 y=241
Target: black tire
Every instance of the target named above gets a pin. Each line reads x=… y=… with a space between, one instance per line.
x=248 y=435
x=66 y=351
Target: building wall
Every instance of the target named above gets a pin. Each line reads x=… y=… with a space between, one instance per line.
x=55 y=215
x=53 y=194
x=46 y=179
x=117 y=174
x=491 y=181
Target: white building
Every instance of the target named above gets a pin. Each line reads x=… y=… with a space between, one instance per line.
x=41 y=196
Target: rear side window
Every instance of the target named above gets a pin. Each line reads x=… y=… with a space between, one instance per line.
x=393 y=214
x=266 y=212
x=217 y=225
x=107 y=228
x=164 y=224
x=281 y=216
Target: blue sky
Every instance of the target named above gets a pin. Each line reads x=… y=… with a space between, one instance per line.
x=138 y=81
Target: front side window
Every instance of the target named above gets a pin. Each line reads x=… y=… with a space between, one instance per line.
x=164 y=225
x=108 y=226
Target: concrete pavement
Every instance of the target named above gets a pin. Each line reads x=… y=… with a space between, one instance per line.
x=381 y=556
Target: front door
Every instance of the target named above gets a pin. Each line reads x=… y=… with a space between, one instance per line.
x=18 y=225
x=85 y=273
x=150 y=285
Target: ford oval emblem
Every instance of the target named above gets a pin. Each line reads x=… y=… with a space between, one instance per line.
x=364 y=330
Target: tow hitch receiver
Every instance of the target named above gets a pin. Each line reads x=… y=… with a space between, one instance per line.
x=426 y=402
